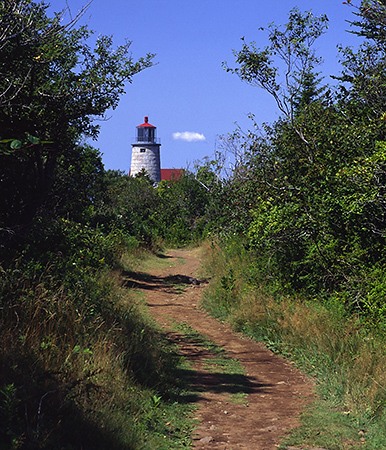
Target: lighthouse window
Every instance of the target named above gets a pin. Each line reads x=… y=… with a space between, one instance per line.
x=141 y=136
x=142 y=150
x=150 y=135
x=145 y=134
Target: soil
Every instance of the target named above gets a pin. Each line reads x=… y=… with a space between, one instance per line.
x=275 y=391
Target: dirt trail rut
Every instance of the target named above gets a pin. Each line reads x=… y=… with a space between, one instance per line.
x=276 y=391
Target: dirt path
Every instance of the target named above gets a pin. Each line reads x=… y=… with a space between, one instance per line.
x=276 y=391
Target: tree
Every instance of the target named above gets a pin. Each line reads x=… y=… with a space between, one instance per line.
x=78 y=185
x=310 y=91
x=128 y=204
x=317 y=218
x=364 y=69
x=183 y=204
x=372 y=21
x=291 y=45
x=52 y=87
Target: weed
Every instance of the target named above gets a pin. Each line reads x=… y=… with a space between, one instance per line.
x=239 y=398
x=230 y=373
x=341 y=352
x=84 y=366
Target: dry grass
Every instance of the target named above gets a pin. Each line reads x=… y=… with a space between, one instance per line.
x=79 y=368
x=348 y=359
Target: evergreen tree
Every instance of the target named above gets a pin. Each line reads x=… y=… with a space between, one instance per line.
x=310 y=91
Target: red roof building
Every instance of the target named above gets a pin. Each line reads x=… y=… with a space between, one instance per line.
x=171 y=174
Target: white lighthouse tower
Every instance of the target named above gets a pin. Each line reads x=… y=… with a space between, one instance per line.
x=145 y=154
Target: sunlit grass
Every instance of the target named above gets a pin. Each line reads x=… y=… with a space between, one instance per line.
x=87 y=369
x=347 y=359
x=156 y=261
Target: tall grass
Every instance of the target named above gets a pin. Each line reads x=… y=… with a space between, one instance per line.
x=82 y=366
x=347 y=357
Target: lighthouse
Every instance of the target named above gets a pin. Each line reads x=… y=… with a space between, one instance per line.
x=145 y=154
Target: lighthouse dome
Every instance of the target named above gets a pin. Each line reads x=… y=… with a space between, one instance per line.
x=146 y=123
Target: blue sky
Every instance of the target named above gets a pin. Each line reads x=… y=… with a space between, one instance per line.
x=188 y=93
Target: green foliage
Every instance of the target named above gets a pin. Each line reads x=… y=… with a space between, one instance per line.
x=72 y=340
x=292 y=45
x=174 y=211
x=183 y=204
x=52 y=86
x=78 y=185
x=314 y=180
x=309 y=92
x=127 y=204
x=345 y=357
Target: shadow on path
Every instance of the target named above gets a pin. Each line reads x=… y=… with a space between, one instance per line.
x=142 y=280
x=209 y=380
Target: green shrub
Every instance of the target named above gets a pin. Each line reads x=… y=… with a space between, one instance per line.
x=345 y=352
x=80 y=361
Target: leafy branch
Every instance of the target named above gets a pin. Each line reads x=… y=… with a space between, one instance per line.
x=290 y=50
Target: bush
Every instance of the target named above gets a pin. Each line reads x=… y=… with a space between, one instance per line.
x=80 y=362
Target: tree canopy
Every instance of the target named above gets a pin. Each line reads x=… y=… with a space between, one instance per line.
x=318 y=173
x=53 y=85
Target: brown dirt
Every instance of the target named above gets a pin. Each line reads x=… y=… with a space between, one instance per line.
x=276 y=391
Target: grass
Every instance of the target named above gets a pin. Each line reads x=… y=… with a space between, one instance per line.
x=239 y=398
x=324 y=426
x=347 y=360
x=224 y=364
x=86 y=368
x=231 y=375
x=147 y=261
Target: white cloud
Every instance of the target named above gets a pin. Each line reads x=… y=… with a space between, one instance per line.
x=188 y=136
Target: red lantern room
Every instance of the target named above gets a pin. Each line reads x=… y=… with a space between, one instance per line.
x=146 y=132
